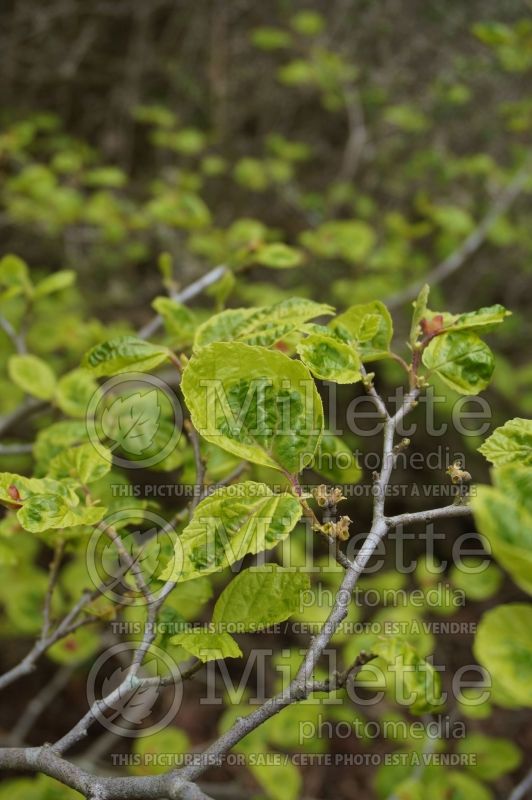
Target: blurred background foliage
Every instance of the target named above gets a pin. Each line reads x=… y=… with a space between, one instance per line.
x=336 y=150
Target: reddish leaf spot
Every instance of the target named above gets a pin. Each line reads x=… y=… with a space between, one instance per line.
x=71 y=645
x=13 y=492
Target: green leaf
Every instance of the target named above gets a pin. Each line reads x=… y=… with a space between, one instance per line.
x=477 y=585
x=511 y=443
x=257 y=598
x=369 y=325
x=278 y=256
x=179 y=321
x=169 y=740
x=330 y=359
x=350 y=240
x=462 y=360
x=307 y=23
x=482 y=321
x=255 y=403
x=503 y=645
x=132 y=422
x=206 y=645
x=233 y=521
x=418 y=680
x=56 y=282
x=16 y=489
x=335 y=460
x=503 y=513
x=32 y=375
x=74 y=392
x=269 y=38
x=419 y=312
x=492 y=758
x=83 y=463
x=263 y=326
x=124 y=354
x=14 y=277
x=44 y=512
x=281 y=780
x=75 y=648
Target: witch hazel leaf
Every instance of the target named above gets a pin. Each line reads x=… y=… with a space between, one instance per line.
x=256 y=403
x=511 y=443
x=232 y=522
x=132 y=422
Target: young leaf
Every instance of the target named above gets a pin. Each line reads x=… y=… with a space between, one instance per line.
x=55 y=282
x=16 y=489
x=492 y=758
x=179 y=321
x=278 y=256
x=419 y=312
x=44 y=512
x=32 y=375
x=503 y=645
x=124 y=354
x=263 y=326
x=256 y=403
x=74 y=392
x=335 y=460
x=419 y=681
x=132 y=422
x=233 y=521
x=83 y=463
x=206 y=645
x=482 y=321
x=462 y=360
x=370 y=327
x=350 y=240
x=503 y=513
x=330 y=359
x=511 y=443
x=257 y=598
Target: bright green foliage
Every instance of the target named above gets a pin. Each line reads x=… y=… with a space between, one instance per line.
x=482 y=321
x=369 y=327
x=168 y=741
x=278 y=256
x=83 y=463
x=335 y=460
x=503 y=514
x=124 y=354
x=260 y=326
x=462 y=360
x=419 y=312
x=206 y=645
x=477 y=585
x=503 y=645
x=74 y=392
x=45 y=512
x=493 y=758
x=132 y=422
x=56 y=282
x=420 y=683
x=350 y=240
x=511 y=443
x=179 y=320
x=32 y=375
x=329 y=359
x=255 y=403
x=279 y=781
x=257 y=598
x=231 y=522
